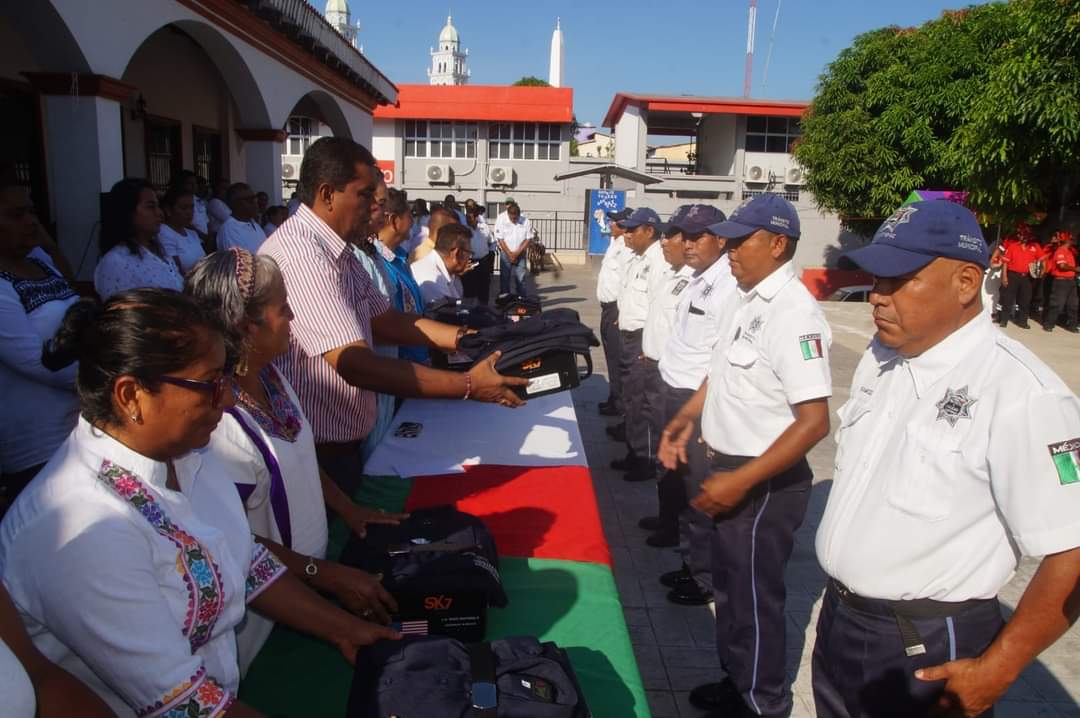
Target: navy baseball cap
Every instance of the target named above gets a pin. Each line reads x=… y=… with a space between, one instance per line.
x=620 y=215
x=640 y=216
x=693 y=219
x=920 y=232
x=768 y=211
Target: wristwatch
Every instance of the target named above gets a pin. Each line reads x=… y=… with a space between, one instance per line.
x=311 y=570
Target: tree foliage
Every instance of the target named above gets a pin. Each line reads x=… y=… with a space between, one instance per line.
x=531 y=81
x=983 y=99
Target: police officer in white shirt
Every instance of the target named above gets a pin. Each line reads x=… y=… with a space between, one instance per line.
x=762 y=408
x=644 y=273
x=609 y=283
x=241 y=228
x=439 y=272
x=957 y=453
x=513 y=232
x=477 y=281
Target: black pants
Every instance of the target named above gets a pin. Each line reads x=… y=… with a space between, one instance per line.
x=695 y=528
x=671 y=489
x=476 y=283
x=632 y=389
x=1016 y=294
x=1062 y=298
x=750 y=550
x=643 y=434
x=860 y=669
x=612 y=343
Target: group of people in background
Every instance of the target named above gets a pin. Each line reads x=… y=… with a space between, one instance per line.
x=178 y=440
x=1037 y=280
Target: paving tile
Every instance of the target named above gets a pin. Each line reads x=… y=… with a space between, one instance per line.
x=651 y=666
x=662 y=704
x=670 y=627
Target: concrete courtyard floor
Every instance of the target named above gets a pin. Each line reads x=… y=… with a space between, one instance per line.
x=674 y=644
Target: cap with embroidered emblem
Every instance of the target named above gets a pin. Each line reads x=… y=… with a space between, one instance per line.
x=768 y=211
x=640 y=216
x=920 y=232
x=620 y=215
x=693 y=219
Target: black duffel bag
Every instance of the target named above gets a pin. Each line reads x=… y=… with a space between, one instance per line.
x=463 y=313
x=516 y=307
x=442 y=678
x=440 y=565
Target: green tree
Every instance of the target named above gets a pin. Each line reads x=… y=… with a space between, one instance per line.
x=531 y=81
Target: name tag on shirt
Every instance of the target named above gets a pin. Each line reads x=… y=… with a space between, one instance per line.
x=695 y=310
x=680 y=286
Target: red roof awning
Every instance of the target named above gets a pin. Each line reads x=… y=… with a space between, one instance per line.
x=704 y=105
x=496 y=103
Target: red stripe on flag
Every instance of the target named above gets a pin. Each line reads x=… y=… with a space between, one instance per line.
x=533 y=512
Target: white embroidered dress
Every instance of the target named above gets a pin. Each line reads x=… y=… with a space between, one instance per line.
x=132 y=587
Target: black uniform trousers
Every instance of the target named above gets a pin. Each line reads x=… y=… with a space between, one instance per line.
x=651 y=412
x=860 y=668
x=1016 y=294
x=671 y=489
x=1062 y=299
x=476 y=283
x=695 y=528
x=750 y=550
x=612 y=343
x=633 y=392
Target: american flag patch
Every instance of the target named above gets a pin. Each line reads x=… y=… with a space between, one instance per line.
x=412 y=628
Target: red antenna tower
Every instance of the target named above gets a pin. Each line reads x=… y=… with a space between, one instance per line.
x=750 y=29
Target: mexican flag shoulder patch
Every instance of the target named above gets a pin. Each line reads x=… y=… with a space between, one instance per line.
x=810 y=346
x=1066 y=457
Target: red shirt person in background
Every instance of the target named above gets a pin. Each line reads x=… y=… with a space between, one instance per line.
x=1018 y=252
x=1062 y=270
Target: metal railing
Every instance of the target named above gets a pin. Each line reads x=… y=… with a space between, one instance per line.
x=560 y=232
x=664 y=166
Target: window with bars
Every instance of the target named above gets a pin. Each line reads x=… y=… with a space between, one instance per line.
x=441 y=139
x=789 y=195
x=300 y=134
x=162 y=138
x=771 y=134
x=524 y=141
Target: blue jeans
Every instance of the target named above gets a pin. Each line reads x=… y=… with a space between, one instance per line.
x=518 y=269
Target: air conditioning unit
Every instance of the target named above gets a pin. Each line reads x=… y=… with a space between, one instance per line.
x=438 y=174
x=290 y=170
x=756 y=173
x=500 y=175
x=795 y=176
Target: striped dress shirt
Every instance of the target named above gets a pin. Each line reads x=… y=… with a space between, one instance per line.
x=333 y=300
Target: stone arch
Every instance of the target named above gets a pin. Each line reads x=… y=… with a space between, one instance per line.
x=53 y=45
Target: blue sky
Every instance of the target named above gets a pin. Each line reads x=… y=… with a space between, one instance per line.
x=672 y=47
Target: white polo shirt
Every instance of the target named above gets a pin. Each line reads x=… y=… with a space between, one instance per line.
x=778 y=356
x=643 y=272
x=705 y=309
x=246 y=235
x=513 y=234
x=949 y=467
x=434 y=280
x=609 y=280
x=662 y=307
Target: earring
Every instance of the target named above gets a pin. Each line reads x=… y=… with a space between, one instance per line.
x=135 y=418
x=242 y=366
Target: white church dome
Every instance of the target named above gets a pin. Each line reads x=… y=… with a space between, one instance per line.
x=449 y=33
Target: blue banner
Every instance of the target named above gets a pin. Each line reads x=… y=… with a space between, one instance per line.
x=602 y=201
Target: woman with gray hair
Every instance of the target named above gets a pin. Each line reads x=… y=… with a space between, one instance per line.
x=269 y=442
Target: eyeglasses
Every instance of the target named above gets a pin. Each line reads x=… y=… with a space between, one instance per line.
x=216 y=387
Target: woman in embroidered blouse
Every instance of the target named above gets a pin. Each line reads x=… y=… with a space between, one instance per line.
x=181 y=244
x=268 y=442
x=129 y=558
x=131 y=255
x=41 y=404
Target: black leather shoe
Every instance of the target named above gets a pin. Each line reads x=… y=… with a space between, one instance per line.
x=649 y=523
x=674 y=579
x=717 y=697
x=689 y=594
x=617 y=432
x=1025 y=325
x=624 y=464
x=1072 y=330
x=642 y=470
x=663 y=539
x=606 y=408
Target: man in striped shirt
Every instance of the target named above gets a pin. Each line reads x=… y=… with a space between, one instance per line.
x=339 y=313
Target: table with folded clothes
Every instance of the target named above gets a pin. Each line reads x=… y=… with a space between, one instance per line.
x=525 y=475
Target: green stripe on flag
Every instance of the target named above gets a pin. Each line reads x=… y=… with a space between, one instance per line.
x=806 y=351
x=1067 y=470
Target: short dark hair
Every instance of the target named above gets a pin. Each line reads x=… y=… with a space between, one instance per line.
x=234 y=189
x=118 y=211
x=332 y=161
x=397 y=201
x=420 y=207
x=144 y=333
x=169 y=199
x=451 y=237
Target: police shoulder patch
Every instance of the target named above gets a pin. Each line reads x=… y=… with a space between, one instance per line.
x=810 y=346
x=1066 y=458
x=679 y=286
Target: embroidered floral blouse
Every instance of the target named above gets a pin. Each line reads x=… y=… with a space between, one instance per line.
x=134 y=588
x=119 y=270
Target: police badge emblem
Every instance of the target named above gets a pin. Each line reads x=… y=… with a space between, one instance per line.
x=955 y=405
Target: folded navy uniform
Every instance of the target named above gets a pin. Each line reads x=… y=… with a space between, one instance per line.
x=463 y=313
x=544 y=348
x=441 y=566
x=442 y=678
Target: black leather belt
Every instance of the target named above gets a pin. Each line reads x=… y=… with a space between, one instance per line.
x=904 y=612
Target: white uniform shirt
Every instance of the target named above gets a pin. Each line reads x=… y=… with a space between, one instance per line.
x=643 y=273
x=434 y=280
x=481 y=240
x=15 y=686
x=186 y=247
x=609 y=279
x=662 y=307
x=949 y=467
x=200 y=220
x=705 y=310
x=246 y=235
x=299 y=497
x=132 y=587
x=513 y=234
x=778 y=356
x=119 y=270
x=217 y=212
